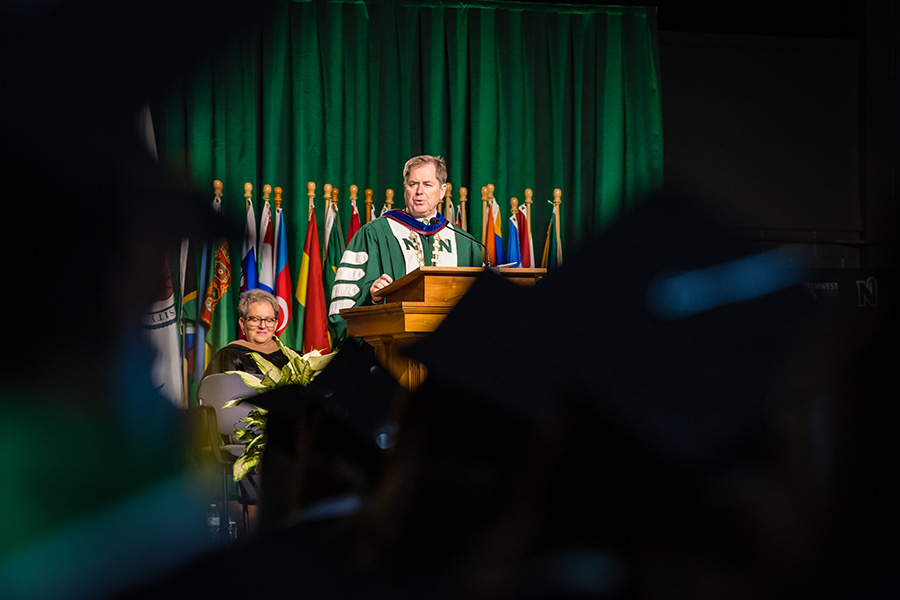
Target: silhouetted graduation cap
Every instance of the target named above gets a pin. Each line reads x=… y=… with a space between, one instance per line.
x=341 y=418
x=662 y=324
x=351 y=398
x=353 y=390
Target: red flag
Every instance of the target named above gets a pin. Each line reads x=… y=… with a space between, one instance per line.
x=311 y=293
x=526 y=248
x=354 y=220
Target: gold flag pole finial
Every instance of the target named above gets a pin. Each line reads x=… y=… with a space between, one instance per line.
x=278 y=197
x=217 y=188
x=368 y=205
x=389 y=198
x=311 y=194
x=463 y=198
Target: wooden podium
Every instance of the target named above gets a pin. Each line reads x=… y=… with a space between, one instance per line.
x=414 y=306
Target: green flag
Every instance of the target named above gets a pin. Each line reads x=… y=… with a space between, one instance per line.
x=334 y=249
x=553 y=255
x=218 y=313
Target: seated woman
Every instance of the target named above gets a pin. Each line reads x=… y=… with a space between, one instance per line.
x=257 y=318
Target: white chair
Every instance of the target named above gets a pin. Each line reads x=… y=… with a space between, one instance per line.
x=215 y=391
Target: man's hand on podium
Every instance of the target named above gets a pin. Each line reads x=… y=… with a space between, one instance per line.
x=379 y=284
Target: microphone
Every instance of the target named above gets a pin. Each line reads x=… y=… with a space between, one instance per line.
x=435 y=221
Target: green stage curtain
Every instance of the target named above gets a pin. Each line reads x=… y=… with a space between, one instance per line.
x=518 y=95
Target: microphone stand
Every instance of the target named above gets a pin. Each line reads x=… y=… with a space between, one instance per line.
x=490 y=267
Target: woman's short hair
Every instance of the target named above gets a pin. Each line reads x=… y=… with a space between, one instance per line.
x=440 y=167
x=250 y=297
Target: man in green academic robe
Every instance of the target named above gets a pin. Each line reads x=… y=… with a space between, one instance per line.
x=399 y=242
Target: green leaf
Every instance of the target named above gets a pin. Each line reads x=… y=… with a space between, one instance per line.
x=264 y=364
x=243 y=465
x=256 y=445
x=244 y=436
x=317 y=361
x=251 y=381
x=299 y=370
x=271 y=373
x=289 y=352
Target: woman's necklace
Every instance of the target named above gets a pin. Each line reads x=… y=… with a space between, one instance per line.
x=435 y=248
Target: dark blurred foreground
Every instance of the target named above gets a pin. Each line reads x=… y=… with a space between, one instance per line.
x=614 y=448
x=651 y=434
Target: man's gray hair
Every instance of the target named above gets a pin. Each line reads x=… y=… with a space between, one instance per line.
x=440 y=168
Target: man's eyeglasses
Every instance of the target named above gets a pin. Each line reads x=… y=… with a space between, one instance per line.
x=267 y=321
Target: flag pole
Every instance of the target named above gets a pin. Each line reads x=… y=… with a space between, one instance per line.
x=368 y=205
x=279 y=221
x=389 y=198
x=248 y=203
x=463 y=198
x=513 y=218
x=354 y=194
x=528 y=202
x=334 y=200
x=448 y=199
x=484 y=197
x=326 y=193
x=557 y=202
x=334 y=207
x=217 y=188
x=490 y=208
x=266 y=254
x=354 y=225
x=311 y=194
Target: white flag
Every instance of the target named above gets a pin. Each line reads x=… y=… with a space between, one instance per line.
x=267 y=250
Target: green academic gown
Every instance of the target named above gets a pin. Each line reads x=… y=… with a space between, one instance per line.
x=387 y=246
